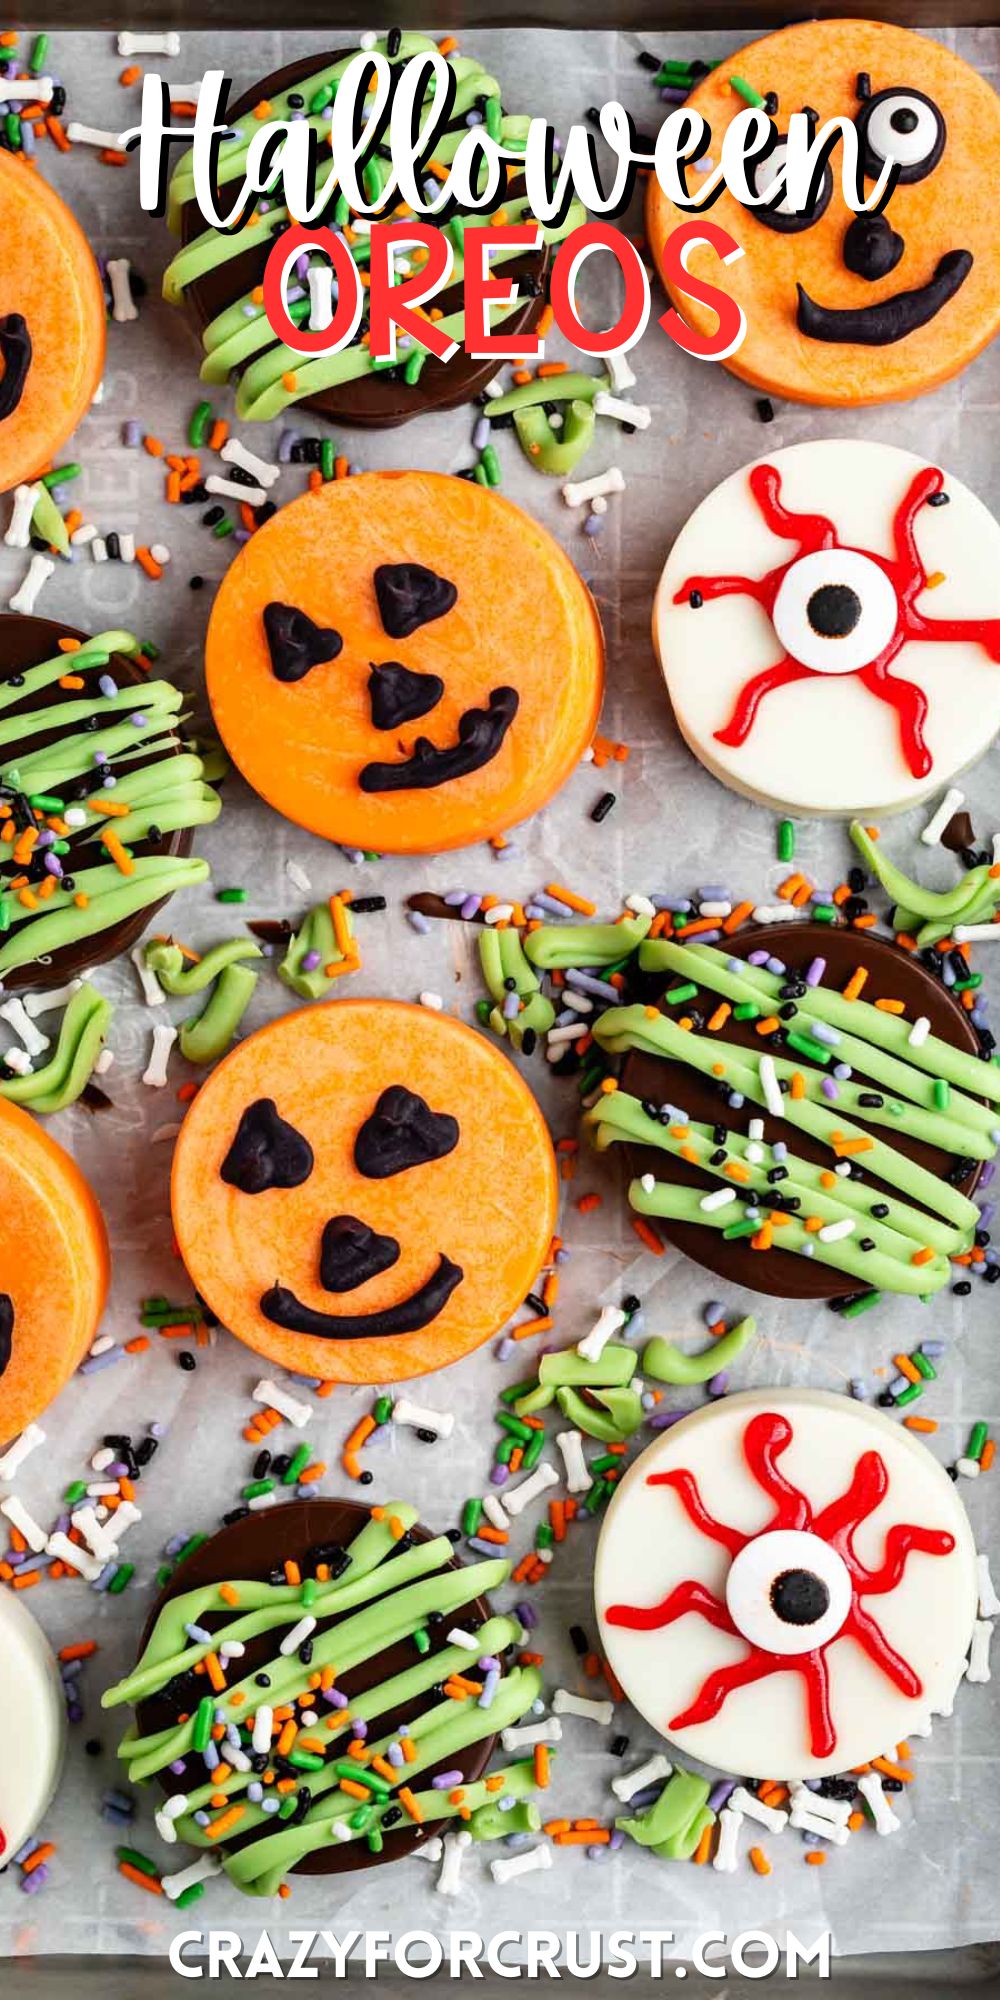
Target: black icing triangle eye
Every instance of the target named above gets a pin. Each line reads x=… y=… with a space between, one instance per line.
x=267 y=1152
x=402 y=1132
x=398 y=694
x=6 y=1330
x=410 y=596
x=15 y=350
x=296 y=644
x=351 y=1253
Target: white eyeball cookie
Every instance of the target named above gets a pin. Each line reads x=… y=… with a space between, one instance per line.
x=828 y=626
x=786 y=1585
x=34 y=1712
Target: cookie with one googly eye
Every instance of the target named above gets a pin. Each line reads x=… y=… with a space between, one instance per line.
x=786 y=1585
x=844 y=309
x=828 y=627
x=364 y=1191
x=404 y=662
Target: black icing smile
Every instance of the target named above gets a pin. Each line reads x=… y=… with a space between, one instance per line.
x=891 y=319
x=6 y=1330
x=283 y=1308
x=481 y=732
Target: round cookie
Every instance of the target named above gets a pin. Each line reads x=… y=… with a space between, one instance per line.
x=220 y=278
x=882 y=1124
x=828 y=627
x=379 y=1598
x=380 y=663
x=786 y=1585
x=843 y=310
x=34 y=1713
x=52 y=323
x=54 y=1269
x=365 y=1191
x=70 y=728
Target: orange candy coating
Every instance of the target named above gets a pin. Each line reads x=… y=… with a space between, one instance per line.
x=48 y=275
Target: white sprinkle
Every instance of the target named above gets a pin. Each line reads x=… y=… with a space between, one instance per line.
x=570 y=1032
x=715 y=909
x=870 y=1787
x=969 y=1468
x=93 y=135
x=501 y=913
x=25 y=1523
x=261 y=1502
x=235 y=452
x=432 y=1001
x=919 y=1032
x=199 y=1871
x=623 y=412
x=647 y=1182
x=18 y=535
x=155 y=1072
x=295 y=1413
x=99 y=549
x=835 y=1232
x=617 y=365
x=452 y=1847
x=570 y=1445
x=126 y=548
x=298 y=1634
x=640 y=906
x=165 y=1828
x=16 y=1015
x=467 y=1640
x=565 y=1703
x=727 y=1851
x=530 y=1489
x=230 y=489
x=610 y=1322
x=22 y=1448
x=152 y=991
x=25 y=597
x=101 y=1345
x=102 y=1459
x=776 y=913
x=938 y=821
x=160 y=552
x=106 y=1061
x=576 y=493
x=49 y=1003
x=989 y=1602
x=83 y=534
x=74 y=1556
x=526 y=1735
x=770 y=1087
x=978 y=1669
x=18 y=1061
x=976 y=933
x=417 y=1418
x=319 y=278
x=298 y=877
x=721 y=1198
x=752 y=1807
x=507 y=1866
x=168 y=44
x=655 y=1769
x=123 y=306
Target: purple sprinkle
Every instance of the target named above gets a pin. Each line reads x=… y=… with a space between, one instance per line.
x=417 y=922
x=74 y=1712
x=526 y=1615
x=286 y=442
x=987 y=1211
x=516 y=1842
x=99 y=1361
x=454 y=898
x=672 y=93
x=617 y=1840
x=511 y=1005
x=52 y=865
x=104 y=1581
x=843 y=1072
x=777 y=966
x=815 y=972
x=933 y=1348
x=336 y=1697
x=488 y=1664
x=470 y=907
x=721 y=1794
x=709 y=937
x=396 y=1758
x=201 y=1819
x=719 y=1383
x=504 y=1348
x=481 y=434
x=713 y=1312
x=29 y=1885
x=812 y=1784
x=663 y=1420
x=445 y=1780
x=490 y=1686
x=859 y=1389
x=829 y=1089
x=481 y=1548
x=131 y=434
x=987 y=1173
x=822 y=1032
x=177 y=1769
x=594 y=524
x=757 y=958
x=108 y=687
x=311 y=960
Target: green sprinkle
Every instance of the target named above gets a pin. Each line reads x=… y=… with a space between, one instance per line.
x=942 y=1094
x=223 y=528
x=230 y=895
x=189 y=1896
x=505 y=1451
x=544 y=1535
x=518 y=1389
x=533 y=1451
x=596 y=1496
x=923 y=1366
x=256 y=1488
x=164 y=1574
x=746 y=91
x=804 y=1045
x=969 y=984
x=786 y=840
x=305 y=1760
x=296 y=1465
x=309 y=1592
x=382 y=1409
x=494 y=117
x=203 y=1720
x=977 y=1439
x=422 y=1640
x=12 y=131
x=677 y=995
x=910 y=1394
x=74 y=1492
x=472 y=1514
x=491 y=465
x=591 y=1078
x=121 y=1579
x=375 y=1842
x=414 y=365
x=46 y=802
x=140 y=1861
x=523 y=1433
x=747 y=1010
x=824 y=913
x=39 y=52
x=61 y=474
x=196 y=1542
x=737 y=1229
x=483 y=1012
x=198 y=427
x=862 y=1304
x=327 y=456
x=349 y=1768
x=321 y=98
x=608 y=1462
x=288 y=1805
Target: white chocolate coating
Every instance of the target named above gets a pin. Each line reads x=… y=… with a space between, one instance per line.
x=649 y=1545
x=31 y=1703
x=826 y=746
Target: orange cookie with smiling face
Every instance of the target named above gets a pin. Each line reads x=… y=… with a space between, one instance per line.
x=364 y=1191
x=404 y=661
x=52 y=323
x=844 y=309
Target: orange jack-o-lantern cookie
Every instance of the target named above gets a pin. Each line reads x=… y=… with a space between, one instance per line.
x=845 y=309
x=52 y=323
x=404 y=661
x=54 y=1269
x=365 y=1191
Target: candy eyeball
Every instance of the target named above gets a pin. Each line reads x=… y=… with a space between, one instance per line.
x=788 y=1592
x=903 y=126
x=835 y=611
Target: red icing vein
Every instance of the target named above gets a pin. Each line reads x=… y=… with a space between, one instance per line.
x=766 y=1437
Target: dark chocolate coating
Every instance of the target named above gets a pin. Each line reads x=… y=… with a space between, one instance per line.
x=382 y=400
x=892 y=975
x=24 y=642
x=263 y=1542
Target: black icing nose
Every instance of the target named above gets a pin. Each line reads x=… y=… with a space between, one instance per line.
x=351 y=1253
x=872 y=248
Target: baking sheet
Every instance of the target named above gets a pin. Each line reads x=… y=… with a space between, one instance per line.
x=672 y=827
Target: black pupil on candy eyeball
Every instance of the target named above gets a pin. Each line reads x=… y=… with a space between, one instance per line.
x=833 y=610
x=903 y=120
x=798 y=1597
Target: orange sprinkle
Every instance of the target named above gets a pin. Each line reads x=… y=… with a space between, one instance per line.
x=858 y=979
x=815 y=1859
x=987 y=1455
x=541 y=1765
x=37 y=1856
x=704 y=1847
x=759 y=1861
x=409 y=1804
x=890 y=1006
x=117 y=853
x=148 y=562
x=921 y=1424
x=648 y=1236
x=890 y=1770
x=150 y=1882
x=571 y=900
x=226 y=1823
x=924 y=1256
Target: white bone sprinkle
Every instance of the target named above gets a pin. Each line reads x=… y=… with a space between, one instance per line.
x=185 y=93
x=775 y=913
x=168 y=44
x=619 y=369
x=570 y=1444
x=92 y=135
x=199 y=1871
x=754 y=1808
x=651 y=1772
x=978 y=1670
x=165 y=1828
x=25 y=1523
x=18 y=1061
x=16 y=1015
x=525 y=1735
x=610 y=1322
x=126 y=1516
x=155 y=1072
x=288 y=1406
x=22 y=1448
x=415 y=1417
x=805 y=1821
x=49 y=1003
x=989 y=1602
x=152 y=991
x=27 y=90
x=507 y=1866
x=727 y=1852
x=565 y=1703
x=576 y=493
x=530 y=1489
x=635 y=414
x=18 y=535
x=976 y=933
x=123 y=305
x=230 y=489
x=235 y=452
x=495 y=1511
x=453 y=1847
x=101 y=1544
x=935 y=827
x=429 y=1850
x=25 y=597
x=870 y=1787
x=70 y=1553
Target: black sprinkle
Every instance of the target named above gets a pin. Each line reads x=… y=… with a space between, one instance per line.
x=695 y=599
x=603 y=807
x=365 y=905
x=938 y=499
x=261 y=1463
x=765 y=409
x=580 y=1641
x=618 y=1746
x=186 y=1360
